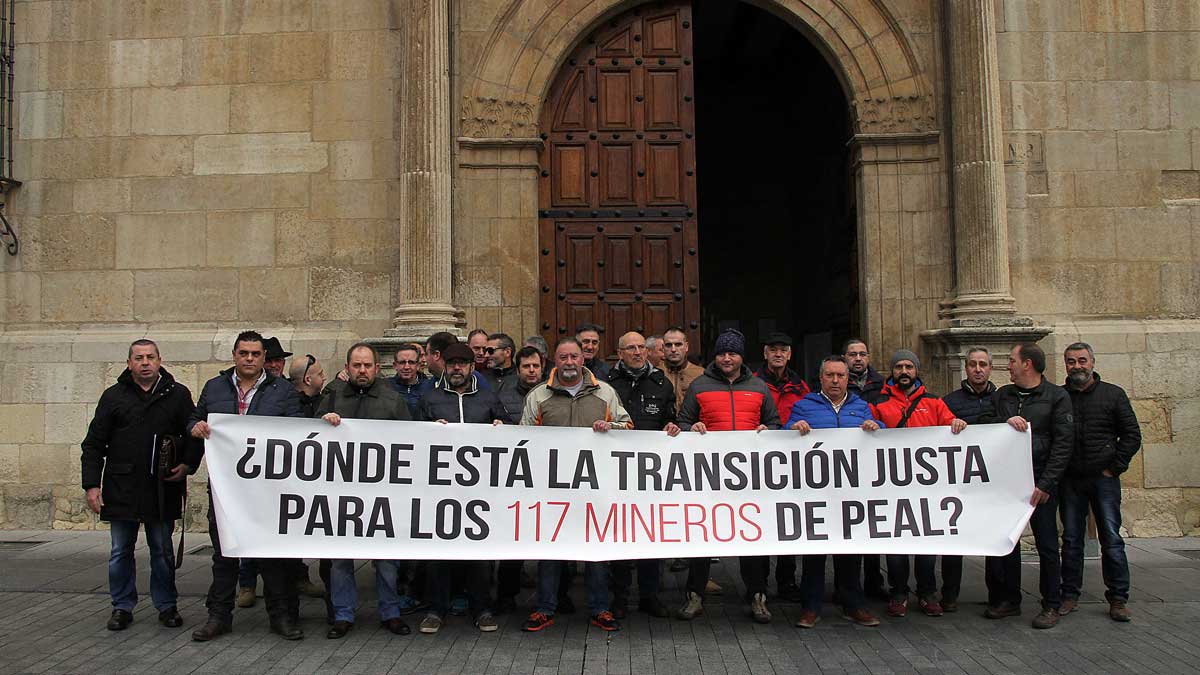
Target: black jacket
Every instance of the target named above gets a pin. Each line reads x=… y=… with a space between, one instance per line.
x=276 y=397
x=968 y=405
x=872 y=391
x=648 y=398
x=1107 y=435
x=1047 y=408
x=309 y=404
x=599 y=368
x=380 y=401
x=475 y=406
x=119 y=445
x=512 y=396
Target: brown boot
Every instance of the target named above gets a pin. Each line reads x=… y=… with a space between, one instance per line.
x=1117 y=611
x=1068 y=605
x=1047 y=618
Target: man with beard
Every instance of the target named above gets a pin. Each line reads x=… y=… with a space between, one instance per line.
x=727 y=397
x=457 y=398
x=650 y=401
x=573 y=397
x=501 y=373
x=588 y=335
x=408 y=378
x=970 y=403
x=678 y=369
x=1107 y=436
x=363 y=396
x=909 y=405
x=833 y=407
x=1032 y=403
x=247 y=389
x=124 y=485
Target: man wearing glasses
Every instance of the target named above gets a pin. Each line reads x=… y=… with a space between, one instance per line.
x=408 y=378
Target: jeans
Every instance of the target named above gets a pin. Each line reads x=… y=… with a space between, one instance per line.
x=122 y=570
x=279 y=582
x=847 y=569
x=621 y=580
x=898 y=569
x=1003 y=574
x=344 y=593
x=1103 y=495
x=595 y=579
x=951 y=577
x=476 y=576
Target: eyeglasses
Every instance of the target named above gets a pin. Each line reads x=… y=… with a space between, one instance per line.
x=311 y=360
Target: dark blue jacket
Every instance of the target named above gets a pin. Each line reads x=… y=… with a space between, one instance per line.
x=819 y=413
x=276 y=397
x=969 y=405
x=411 y=393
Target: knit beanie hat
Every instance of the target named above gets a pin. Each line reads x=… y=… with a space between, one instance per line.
x=730 y=341
x=905 y=355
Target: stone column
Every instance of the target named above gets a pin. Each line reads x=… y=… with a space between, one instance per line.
x=977 y=175
x=425 y=174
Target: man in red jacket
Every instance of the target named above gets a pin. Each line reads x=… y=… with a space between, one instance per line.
x=907 y=404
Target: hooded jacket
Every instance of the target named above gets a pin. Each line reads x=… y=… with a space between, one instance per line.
x=722 y=405
x=784 y=392
x=930 y=411
x=969 y=405
x=1047 y=408
x=475 y=405
x=550 y=404
x=647 y=396
x=818 y=411
x=1107 y=434
x=118 y=449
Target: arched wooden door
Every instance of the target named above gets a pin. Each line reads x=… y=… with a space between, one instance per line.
x=617 y=219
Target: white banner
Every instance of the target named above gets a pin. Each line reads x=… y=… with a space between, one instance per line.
x=291 y=488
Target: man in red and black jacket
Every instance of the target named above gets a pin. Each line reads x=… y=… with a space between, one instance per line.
x=727 y=397
x=906 y=405
x=786 y=387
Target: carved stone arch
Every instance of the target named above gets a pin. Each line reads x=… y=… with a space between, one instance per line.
x=861 y=39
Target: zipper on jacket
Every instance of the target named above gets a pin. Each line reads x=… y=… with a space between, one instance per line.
x=732 y=409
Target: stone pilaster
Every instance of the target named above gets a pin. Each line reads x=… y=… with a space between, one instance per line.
x=425 y=136
x=977 y=174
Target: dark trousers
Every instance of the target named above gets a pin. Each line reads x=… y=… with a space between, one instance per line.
x=785 y=571
x=1003 y=574
x=475 y=575
x=508 y=578
x=951 y=577
x=872 y=573
x=698 y=571
x=755 y=570
x=620 y=578
x=898 y=572
x=847 y=569
x=1101 y=494
x=279 y=582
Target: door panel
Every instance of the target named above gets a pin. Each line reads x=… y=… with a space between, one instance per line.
x=617 y=224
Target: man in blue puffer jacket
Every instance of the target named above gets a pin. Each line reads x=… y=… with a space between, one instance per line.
x=834 y=407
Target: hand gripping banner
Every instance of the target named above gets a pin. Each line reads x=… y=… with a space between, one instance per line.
x=292 y=488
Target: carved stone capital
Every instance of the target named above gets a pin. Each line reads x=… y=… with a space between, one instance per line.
x=484 y=117
x=895 y=114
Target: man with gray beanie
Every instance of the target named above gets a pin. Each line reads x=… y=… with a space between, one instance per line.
x=907 y=404
x=710 y=405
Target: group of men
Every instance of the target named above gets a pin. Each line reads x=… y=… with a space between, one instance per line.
x=1084 y=436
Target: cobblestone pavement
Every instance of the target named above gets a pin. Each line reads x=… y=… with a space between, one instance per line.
x=54 y=604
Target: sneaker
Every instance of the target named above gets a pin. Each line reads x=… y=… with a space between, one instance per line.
x=931 y=607
x=458 y=606
x=431 y=624
x=246 y=597
x=537 y=621
x=861 y=617
x=713 y=588
x=1047 y=618
x=1002 y=610
x=408 y=604
x=1068 y=605
x=758 y=608
x=692 y=607
x=309 y=588
x=808 y=620
x=949 y=605
x=897 y=607
x=653 y=607
x=605 y=621
x=486 y=623
x=1117 y=611
x=678 y=565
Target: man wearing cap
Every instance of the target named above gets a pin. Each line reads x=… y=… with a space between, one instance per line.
x=727 y=397
x=276 y=357
x=786 y=387
x=907 y=404
x=678 y=369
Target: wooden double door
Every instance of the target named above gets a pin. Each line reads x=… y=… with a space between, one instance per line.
x=617 y=218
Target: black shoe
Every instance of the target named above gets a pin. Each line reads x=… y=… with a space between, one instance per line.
x=565 y=605
x=790 y=592
x=653 y=607
x=620 y=608
x=287 y=629
x=396 y=626
x=119 y=620
x=170 y=618
x=678 y=565
x=338 y=630
x=877 y=593
x=210 y=631
x=506 y=605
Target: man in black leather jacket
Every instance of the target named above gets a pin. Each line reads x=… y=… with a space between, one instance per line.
x=1032 y=403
